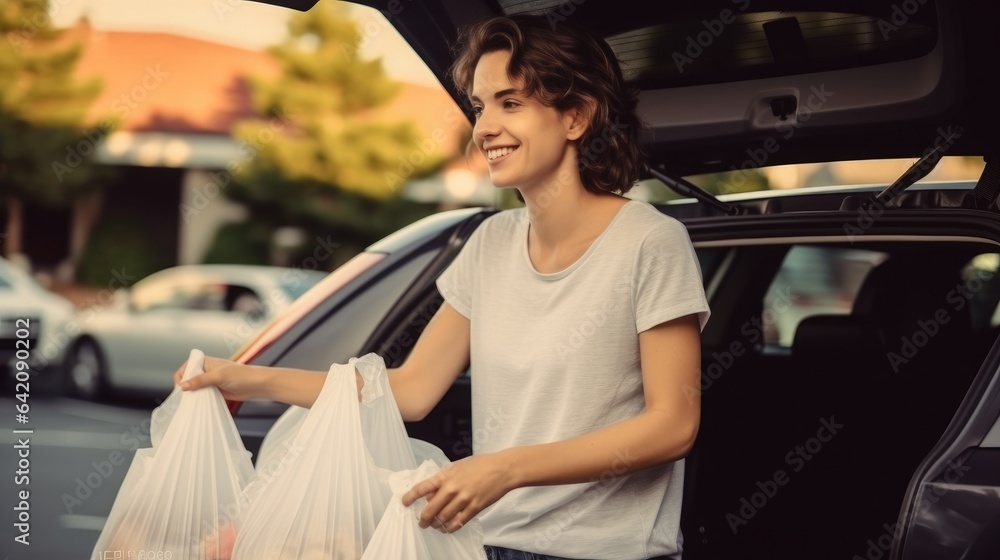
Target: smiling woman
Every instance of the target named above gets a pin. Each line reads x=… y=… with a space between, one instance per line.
x=571 y=77
x=579 y=315
x=610 y=283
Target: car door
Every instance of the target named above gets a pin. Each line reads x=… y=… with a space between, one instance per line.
x=952 y=507
x=383 y=310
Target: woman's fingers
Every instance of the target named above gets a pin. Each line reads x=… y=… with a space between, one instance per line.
x=179 y=374
x=429 y=489
x=199 y=381
x=450 y=516
x=211 y=365
x=422 y=489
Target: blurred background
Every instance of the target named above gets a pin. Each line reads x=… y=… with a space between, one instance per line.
x=142 y=135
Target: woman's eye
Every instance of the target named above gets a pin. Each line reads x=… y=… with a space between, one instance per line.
x=477 y=111
x=509 y=104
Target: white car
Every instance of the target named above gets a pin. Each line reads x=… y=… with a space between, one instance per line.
x=138 y=341
x=26 y=305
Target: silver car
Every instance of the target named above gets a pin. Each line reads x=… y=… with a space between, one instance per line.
x=28 y=307
x=137 y=341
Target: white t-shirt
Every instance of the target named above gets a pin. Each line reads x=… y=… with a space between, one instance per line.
x=555 y=356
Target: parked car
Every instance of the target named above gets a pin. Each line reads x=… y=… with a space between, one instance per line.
x=25 y=305
x=136 y=342
x=870 y=427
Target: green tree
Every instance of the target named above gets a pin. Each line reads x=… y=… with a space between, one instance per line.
x=42 y=107
x=320 y=159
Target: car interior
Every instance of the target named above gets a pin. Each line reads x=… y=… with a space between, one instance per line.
x=851 y=369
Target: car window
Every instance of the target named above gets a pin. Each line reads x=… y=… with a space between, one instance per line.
x=301 y=284
x=710 y=260
x=981 y=286
x=241 y=299
x=198 y=296
x=813 y=280
x=152 y=294
x=339 y=338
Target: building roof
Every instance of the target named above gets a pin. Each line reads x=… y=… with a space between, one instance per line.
x=160 y=82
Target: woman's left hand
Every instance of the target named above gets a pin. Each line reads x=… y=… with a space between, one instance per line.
x=458 y=492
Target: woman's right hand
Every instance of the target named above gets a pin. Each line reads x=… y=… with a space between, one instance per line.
x=236 y=382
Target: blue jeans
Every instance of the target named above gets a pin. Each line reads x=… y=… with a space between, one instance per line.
x=499 y=553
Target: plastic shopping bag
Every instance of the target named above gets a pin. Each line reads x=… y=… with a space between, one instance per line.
x=183 y=495
x=399 y=536
x=381 y=424
x=323 y=498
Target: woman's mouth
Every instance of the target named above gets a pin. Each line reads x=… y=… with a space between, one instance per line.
x=494 y=155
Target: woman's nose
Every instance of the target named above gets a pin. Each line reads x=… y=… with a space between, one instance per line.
x=486 y=126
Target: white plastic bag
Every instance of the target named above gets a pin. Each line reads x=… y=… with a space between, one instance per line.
x=381 y=424
x=278 y=441
x=399 y=536
x=324 y=496
x=181 y=497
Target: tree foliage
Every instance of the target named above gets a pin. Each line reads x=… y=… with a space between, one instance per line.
x=322 y=157
x=43 y=151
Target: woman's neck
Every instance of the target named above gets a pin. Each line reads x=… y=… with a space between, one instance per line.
x=568 y=213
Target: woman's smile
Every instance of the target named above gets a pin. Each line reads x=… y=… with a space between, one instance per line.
x=496 y=155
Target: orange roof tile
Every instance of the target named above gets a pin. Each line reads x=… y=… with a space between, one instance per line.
x=160 y=82
x=168 y=83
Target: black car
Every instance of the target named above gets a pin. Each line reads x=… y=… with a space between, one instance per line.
x=850 y=381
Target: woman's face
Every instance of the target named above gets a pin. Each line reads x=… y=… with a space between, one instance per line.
x=525 y=142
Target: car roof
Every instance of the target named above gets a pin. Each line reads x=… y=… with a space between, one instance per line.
x=240 y=273
x=869 y=79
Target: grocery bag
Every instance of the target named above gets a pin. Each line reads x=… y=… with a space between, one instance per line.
x=381 y=424
x=278 y=441
x=323 y=497
x=181 y=497
x=399 y=536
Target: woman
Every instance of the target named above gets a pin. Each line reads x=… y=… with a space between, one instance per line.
x=581 y=314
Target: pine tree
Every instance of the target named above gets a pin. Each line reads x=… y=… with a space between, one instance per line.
x=43 y=151
x=320 y=160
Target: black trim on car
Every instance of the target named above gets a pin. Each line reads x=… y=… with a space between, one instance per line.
x=395 y=323
x=277 y=350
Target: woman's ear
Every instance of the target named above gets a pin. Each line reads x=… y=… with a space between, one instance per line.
x=577 y=119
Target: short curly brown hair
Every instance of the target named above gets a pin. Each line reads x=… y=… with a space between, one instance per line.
x=566 y=67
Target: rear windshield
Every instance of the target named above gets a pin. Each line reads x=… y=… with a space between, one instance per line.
x=748 y=39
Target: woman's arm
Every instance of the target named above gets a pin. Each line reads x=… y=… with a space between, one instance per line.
x=440 y=355
x=438 y=358
x=671 y=364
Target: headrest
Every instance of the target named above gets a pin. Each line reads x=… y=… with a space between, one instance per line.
x=850 y=343
x=901 y=293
